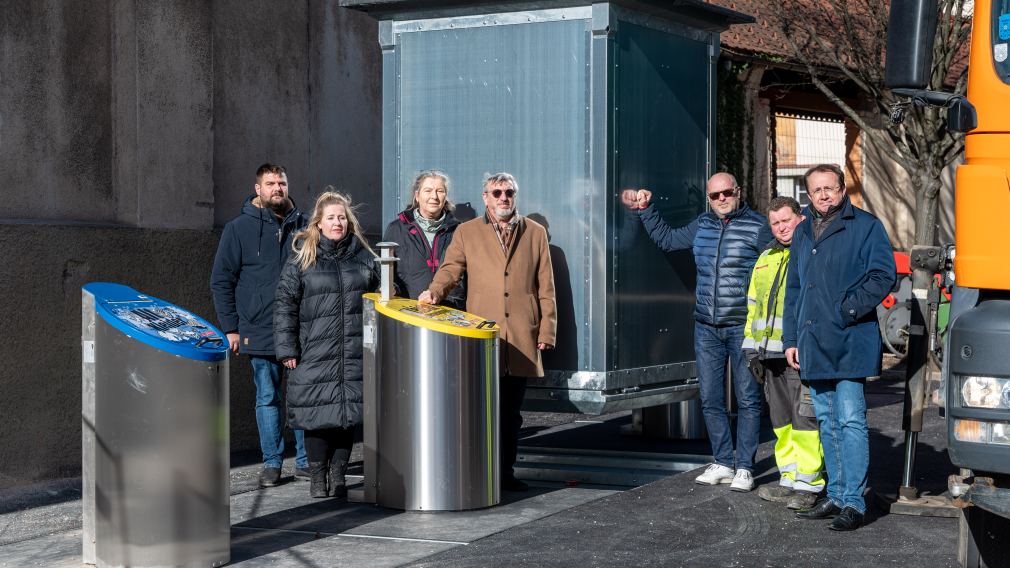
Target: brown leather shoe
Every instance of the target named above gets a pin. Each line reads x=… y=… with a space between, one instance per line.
x=776 y=493
x=801 y=500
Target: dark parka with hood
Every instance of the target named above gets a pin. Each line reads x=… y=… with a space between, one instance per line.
x=725 y=251
x=419 y=261
x=835 y=283
x=253 y=248
x=318 y=321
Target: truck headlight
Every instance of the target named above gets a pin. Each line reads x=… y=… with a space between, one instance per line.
x=985 y=392
x=971 y=431
x=999 y=433
x=979 y=432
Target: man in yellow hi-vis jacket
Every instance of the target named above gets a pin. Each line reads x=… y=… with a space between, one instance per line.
x=798 y=448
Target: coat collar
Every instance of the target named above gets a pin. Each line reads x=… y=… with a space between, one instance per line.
x=846 y=212
x=520 y=223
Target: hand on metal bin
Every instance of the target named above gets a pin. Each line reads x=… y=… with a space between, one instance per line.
x=544 y=346
x=793 y=357
x=427 y=297
x=232 y=341
x=290 y=363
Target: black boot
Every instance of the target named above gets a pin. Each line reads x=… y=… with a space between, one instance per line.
x=317 y=479
x=338 y=479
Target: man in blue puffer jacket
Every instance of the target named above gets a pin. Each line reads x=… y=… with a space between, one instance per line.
x=726 y=242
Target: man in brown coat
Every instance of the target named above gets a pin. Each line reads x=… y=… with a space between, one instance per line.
x=507 y=263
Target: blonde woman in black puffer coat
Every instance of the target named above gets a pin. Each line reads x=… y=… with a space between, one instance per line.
x=318 y=336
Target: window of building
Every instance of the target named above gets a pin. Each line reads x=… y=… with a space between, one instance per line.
x=800 y=143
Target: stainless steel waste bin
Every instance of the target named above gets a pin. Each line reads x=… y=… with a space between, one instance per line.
x=431 y=407
x=155 y=433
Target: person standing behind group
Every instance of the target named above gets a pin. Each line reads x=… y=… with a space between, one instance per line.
x=507 y=262
x=842 y=267
x=253 y=248
x=424 y=231
x=726 y=241
x=798 y=445
x=318 y=336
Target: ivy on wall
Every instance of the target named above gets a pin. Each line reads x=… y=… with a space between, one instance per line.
x=734 y=126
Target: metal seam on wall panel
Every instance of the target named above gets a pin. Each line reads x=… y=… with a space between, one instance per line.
x=503 y=19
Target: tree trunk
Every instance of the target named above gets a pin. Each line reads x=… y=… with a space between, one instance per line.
x=926 y=183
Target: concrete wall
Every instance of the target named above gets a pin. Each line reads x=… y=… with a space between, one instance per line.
x=131 y=132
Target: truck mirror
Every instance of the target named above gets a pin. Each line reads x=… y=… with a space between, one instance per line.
x=961 y=116
x=911 y=29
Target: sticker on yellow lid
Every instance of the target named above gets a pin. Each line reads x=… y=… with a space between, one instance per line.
x=437 y=318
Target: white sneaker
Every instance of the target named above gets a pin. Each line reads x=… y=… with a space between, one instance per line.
x=715 y=474
x=742 y=481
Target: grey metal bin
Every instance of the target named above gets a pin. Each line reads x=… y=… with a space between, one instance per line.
x=431 y=407
x=155 y=433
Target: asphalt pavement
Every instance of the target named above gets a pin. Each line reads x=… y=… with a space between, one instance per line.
x=669 y=522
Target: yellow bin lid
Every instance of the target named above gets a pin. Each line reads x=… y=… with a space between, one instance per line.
x=436 y=318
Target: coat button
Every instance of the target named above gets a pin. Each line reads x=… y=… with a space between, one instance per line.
x=811 y=285
x=813 y=251
x=506 y=315
x=808 y=321
x=852 y=312
x=506 y=294
x=506 y=274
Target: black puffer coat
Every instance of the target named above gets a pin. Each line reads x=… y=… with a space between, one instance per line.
x=419 y=261
x=317 y=320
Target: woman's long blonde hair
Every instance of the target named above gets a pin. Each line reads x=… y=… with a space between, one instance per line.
x=306 y=241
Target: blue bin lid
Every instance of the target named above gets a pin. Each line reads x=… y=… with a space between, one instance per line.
x=157 y=323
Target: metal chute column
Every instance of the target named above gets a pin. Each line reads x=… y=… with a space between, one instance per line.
x=431 y=407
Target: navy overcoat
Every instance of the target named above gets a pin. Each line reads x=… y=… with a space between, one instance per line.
x=832 y=292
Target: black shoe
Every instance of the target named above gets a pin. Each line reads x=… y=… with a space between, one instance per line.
x=848 y=520
x=302 y=473
x=270 y=476
x=513 y=484
x=823 y=509
x=317 y=480
x=338 y=479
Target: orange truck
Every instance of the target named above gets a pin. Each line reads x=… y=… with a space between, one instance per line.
x=976 y=364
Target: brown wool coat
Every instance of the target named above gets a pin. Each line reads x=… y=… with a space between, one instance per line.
x=516 y=291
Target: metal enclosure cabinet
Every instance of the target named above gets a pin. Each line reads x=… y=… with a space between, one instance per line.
x=155 y=433
x=431 y=407
x=578 y=100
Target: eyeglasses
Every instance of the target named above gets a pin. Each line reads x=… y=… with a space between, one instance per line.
x=727 y=193
x=496 y=193
x=827 y=189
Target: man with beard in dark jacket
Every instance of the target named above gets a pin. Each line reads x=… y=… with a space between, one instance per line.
x=253 y=248
x=726 y=242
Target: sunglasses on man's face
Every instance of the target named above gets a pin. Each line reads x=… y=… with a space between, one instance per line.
x=496 y=193
x=727 y=193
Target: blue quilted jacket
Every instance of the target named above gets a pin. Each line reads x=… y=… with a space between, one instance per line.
x=725 y=251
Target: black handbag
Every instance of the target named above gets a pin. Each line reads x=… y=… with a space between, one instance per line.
x=756 y=365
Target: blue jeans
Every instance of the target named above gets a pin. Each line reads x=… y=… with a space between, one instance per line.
x=841 y=412
x=270 y=414
x=712 y=346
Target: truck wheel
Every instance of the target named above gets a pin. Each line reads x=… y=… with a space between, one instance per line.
x=979 y=536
